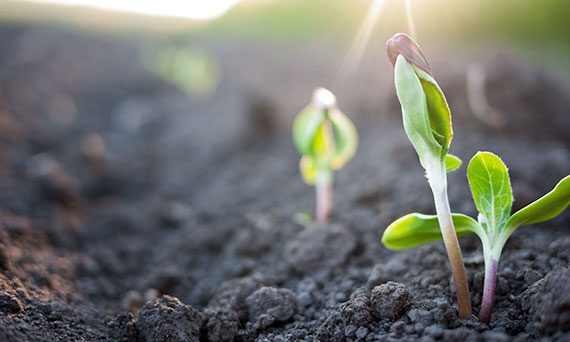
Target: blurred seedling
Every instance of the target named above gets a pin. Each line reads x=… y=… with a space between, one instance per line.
x=195 y=70
x=491 y=189
x=326 y=140
x=427 y=122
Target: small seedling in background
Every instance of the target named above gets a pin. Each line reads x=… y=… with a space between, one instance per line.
x=326 y=139
x=195 y=70
x=491 y=189
x=427 y=122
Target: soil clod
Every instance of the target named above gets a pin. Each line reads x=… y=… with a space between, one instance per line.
x=389 y=300
x=552 y=302
x=122 y=328
x=10 y=304
x=356 y=311
x=269 y=305
x=166 y=319
x=221 y=324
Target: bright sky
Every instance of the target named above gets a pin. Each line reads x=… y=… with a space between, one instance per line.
x=192 y=9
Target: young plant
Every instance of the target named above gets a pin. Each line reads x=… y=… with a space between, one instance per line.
x=491 y=189
x=326 y=139
x=427 y=122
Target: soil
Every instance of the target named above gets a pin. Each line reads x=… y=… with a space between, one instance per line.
x=131 y=211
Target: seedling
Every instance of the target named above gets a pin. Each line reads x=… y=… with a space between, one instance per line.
x=491 y=189
x=326 y=139
x=427 y=122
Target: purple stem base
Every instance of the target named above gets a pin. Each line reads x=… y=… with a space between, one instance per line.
x=488 y=291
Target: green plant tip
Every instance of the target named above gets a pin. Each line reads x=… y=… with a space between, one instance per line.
x=323 y=99
x=402 y=44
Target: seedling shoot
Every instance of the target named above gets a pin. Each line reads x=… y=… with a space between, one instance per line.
x=326 y=140
x=427 y=122
x=491 y=188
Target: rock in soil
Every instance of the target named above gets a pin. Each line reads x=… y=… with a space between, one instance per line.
x=357 y=310
x=269 y=305
x=389 y=300
x=166 y=319
x=233 y=293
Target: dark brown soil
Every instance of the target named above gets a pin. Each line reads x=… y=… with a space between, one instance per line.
x=182 y=227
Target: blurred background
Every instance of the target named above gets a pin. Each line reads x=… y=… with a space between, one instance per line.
x=536 y=29
x=228 y=65
x=182 y=42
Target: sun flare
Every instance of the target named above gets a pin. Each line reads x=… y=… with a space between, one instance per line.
x=190 y=9
x=360 y=43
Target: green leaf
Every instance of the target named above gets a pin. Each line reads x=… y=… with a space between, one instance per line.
x=346 y=138
x=415 y=112
x=308 y=170
x=438 y=110
x=543 y=209
x=452 y=162
x=491 y=189
x=416 y=229
x=305 y=127
x=323 y=146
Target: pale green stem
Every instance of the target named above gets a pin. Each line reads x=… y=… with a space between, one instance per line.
x=324 y=192
x=438 y=182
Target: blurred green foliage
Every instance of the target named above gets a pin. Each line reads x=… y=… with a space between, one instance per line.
x=195 y=70
x=540 y=25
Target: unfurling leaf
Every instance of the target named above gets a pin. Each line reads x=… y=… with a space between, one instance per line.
x=544 y=208
x=324 y=133
x=414 y=111
x=452 y=162
x=323 y=147
x=438 y=110
x=308 y=170
x=491 y=188
x=305 y=127
x=416 y=229
x=346 y=138
x=427 y=119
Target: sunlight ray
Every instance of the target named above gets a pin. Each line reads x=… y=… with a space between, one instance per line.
x=359 y=44
x=411 y=22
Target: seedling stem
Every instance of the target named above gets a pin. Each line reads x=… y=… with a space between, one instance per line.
x=488 y=290
x=438 y=182
x=326 y=139
x=324 y=190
